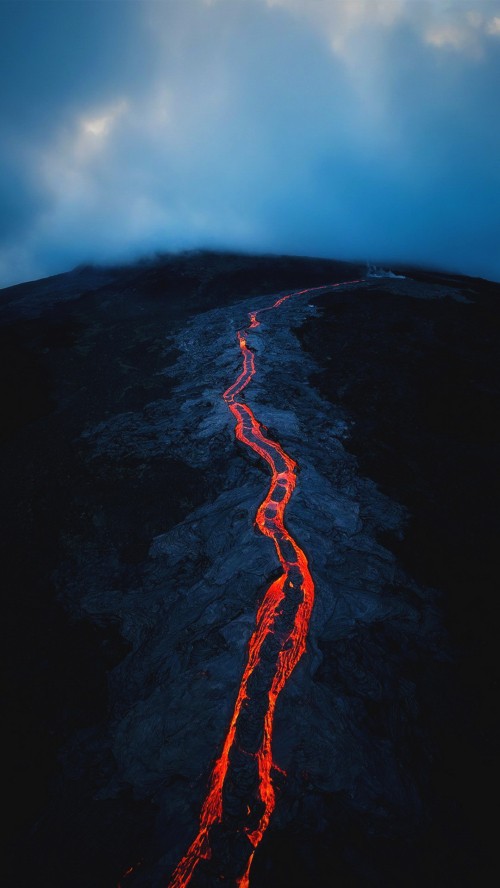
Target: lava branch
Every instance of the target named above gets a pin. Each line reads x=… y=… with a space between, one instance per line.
x=296 y=577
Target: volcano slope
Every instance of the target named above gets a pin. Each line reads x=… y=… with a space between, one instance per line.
x=134 y=571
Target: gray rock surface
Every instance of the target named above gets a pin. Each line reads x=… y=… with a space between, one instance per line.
x=134 y=571
x=189 y=620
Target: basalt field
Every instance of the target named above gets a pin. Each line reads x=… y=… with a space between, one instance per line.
x=249 y=575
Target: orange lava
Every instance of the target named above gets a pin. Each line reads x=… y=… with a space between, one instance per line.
x=296 y=575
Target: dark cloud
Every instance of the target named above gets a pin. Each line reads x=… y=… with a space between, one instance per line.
x=353 y=130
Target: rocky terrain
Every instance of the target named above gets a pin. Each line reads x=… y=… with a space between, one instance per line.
x=133 y=570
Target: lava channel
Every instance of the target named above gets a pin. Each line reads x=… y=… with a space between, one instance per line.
x=274 y=649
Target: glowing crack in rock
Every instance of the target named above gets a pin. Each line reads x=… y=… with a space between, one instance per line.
x=293 y=589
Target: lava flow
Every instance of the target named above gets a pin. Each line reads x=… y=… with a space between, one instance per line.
x=283 y=617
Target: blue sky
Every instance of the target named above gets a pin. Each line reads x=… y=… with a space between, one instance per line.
x=355 y=129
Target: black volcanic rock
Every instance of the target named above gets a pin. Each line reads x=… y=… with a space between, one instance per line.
x=133 y=570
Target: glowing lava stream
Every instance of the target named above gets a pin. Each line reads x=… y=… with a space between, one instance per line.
x=296 y=581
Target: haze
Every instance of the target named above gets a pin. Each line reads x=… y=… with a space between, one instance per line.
x=364 y=129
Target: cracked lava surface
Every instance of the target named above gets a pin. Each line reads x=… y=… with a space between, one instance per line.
x=239 y=805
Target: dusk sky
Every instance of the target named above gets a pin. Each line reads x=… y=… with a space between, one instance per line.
x=360 y=129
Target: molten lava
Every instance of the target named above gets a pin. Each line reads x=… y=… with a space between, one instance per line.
x=296 y=585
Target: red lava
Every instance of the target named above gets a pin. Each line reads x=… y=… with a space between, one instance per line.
x=296 y=575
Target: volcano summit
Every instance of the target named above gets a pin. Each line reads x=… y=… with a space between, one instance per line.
x=203 y=689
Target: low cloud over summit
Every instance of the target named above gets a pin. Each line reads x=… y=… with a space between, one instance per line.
x=365 y=130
